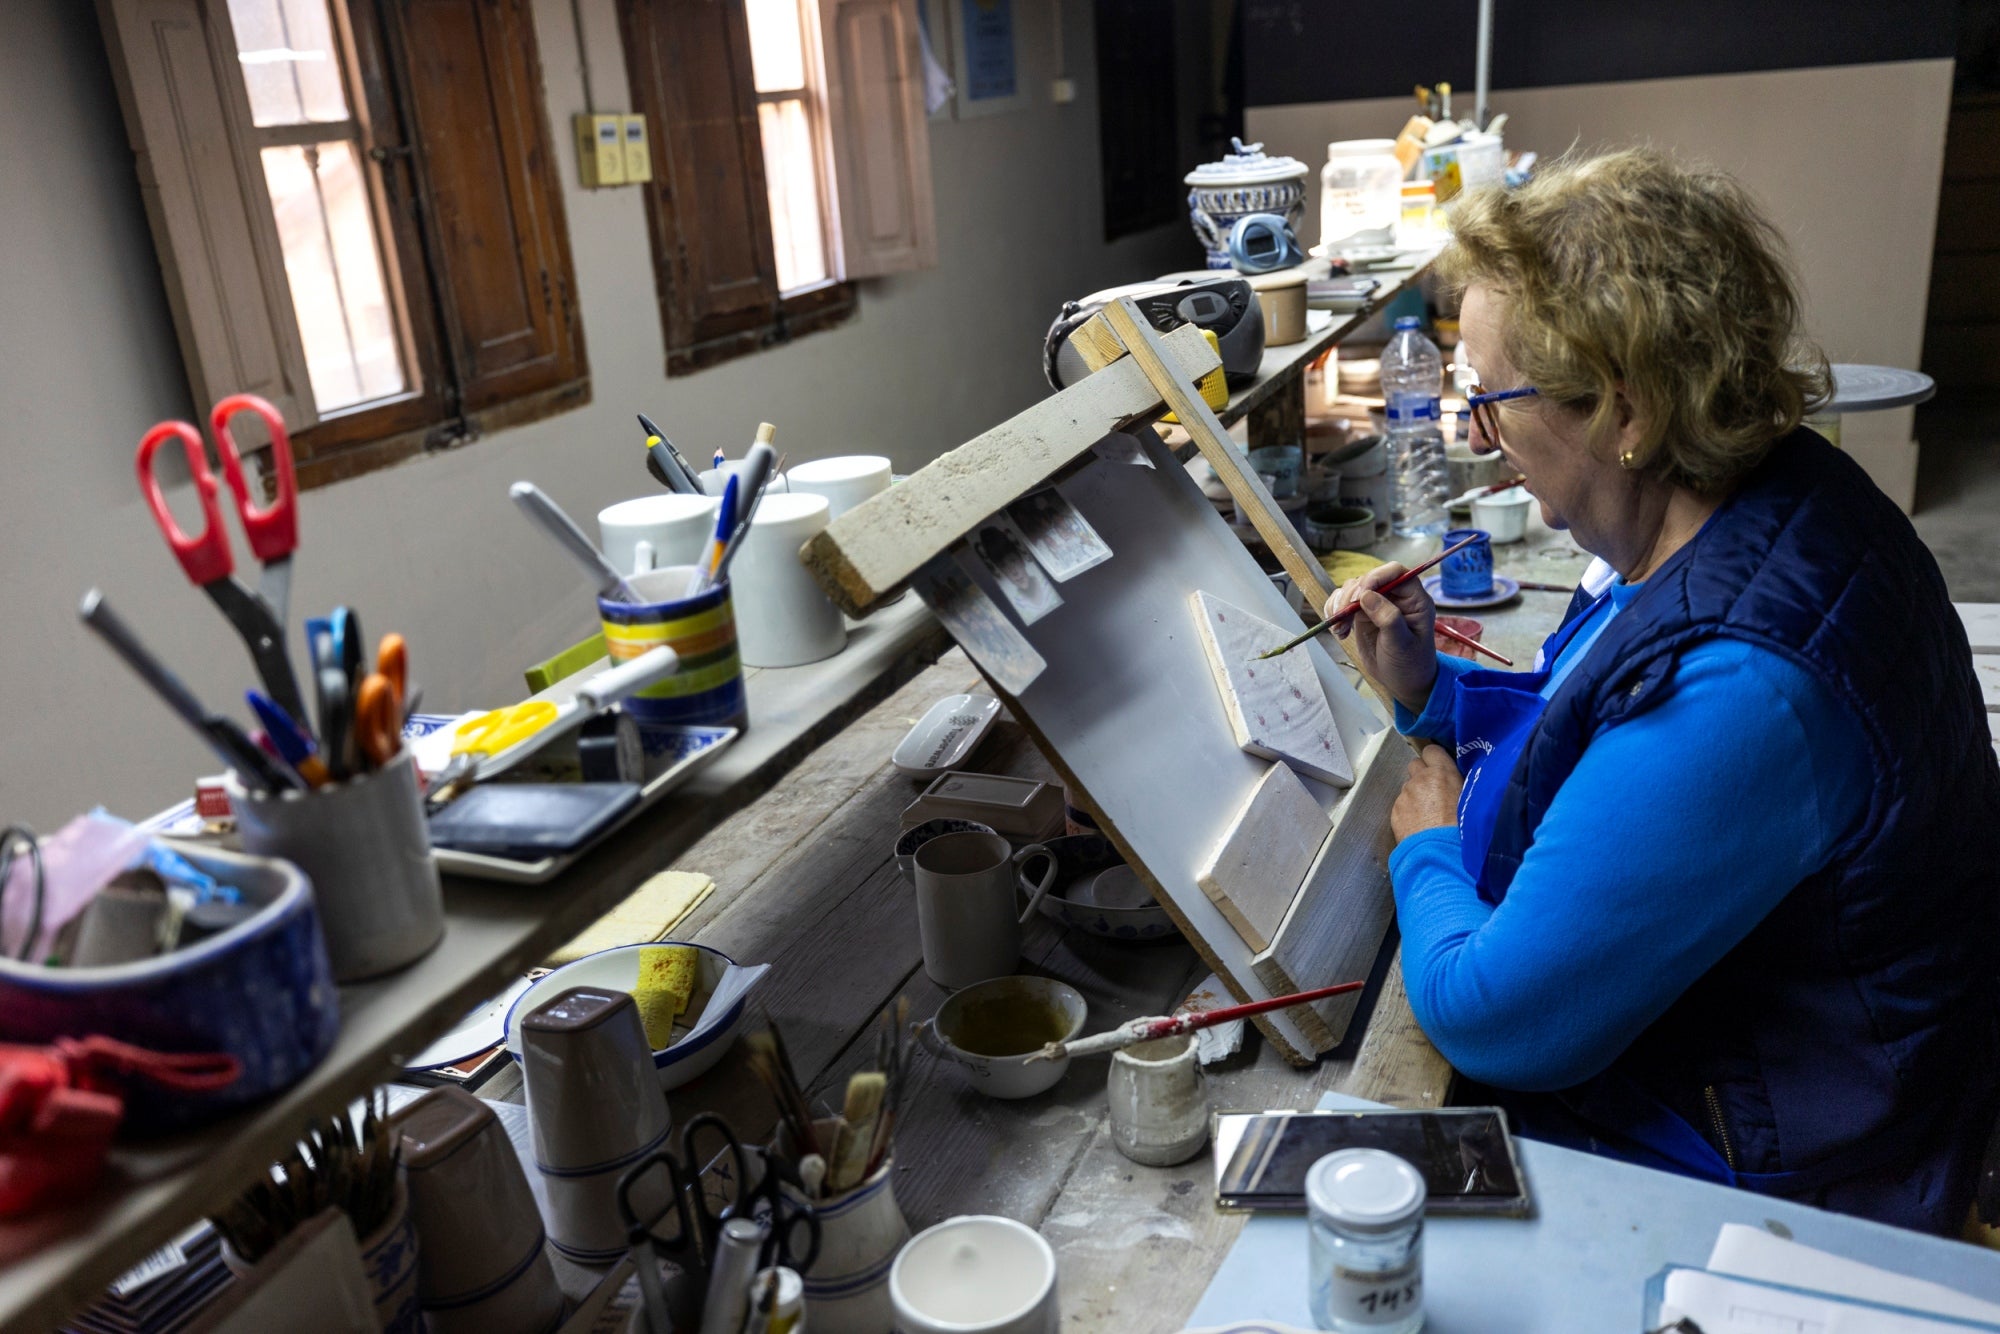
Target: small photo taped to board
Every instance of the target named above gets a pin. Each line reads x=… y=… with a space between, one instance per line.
x=1061 y=538
x=1027 y=589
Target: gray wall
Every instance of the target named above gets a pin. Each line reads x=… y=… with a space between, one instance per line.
x=433 y=548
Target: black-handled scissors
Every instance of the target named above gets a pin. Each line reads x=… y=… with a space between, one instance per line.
x=782 y=1213
x=273 y=532
x=698 y=1222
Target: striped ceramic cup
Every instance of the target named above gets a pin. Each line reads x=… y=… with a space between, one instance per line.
x=707 y=690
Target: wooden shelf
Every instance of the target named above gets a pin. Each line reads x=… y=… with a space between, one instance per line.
x=54 y=1263
x=1324 y=328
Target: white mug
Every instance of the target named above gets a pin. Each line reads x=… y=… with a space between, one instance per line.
x=653 y=532
x=782 y=617
x=966 y=905
x=713 y=480
x=977 y=1274
x=845 y=481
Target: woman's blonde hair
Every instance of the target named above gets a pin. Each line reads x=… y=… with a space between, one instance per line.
x=1633 y=271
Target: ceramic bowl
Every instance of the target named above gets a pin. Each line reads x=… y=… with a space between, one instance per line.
x=1337 y=527
x=916 y=836
x=678 y=1062
x=1005 y=1076
x=1079 y=857
x=261 y=991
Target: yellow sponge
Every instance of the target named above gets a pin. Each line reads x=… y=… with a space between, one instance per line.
x=668 y=975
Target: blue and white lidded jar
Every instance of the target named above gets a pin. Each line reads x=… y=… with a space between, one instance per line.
x=1243 y=182
x=1366 y=1210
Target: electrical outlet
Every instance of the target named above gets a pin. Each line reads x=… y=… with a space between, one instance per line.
x=600 y=150
x=638 y=151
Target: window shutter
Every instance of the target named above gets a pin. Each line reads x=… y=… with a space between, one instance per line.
x=471 y=85
x=204 y=192
x=689 y=62
x=880 y=136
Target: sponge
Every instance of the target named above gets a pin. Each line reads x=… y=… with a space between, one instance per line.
x=668 y=975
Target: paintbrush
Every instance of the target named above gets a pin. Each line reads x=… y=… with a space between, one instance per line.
x=1352 y=607
x=769 y=1059
x=1471 y=643
x=856 y=1140
x=1168 y=1025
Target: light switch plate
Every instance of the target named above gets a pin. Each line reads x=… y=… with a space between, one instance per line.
x=638 y=151
x=600 y=149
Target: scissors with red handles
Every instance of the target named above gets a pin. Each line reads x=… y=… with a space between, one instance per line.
x=273 y=532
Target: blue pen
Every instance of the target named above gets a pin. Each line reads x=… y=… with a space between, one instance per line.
x=293 y=744
x=720 y=459
x=725 y=524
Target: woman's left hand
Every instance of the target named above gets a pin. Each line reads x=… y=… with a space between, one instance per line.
x=1429 y=799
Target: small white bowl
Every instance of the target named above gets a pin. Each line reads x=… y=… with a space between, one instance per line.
x=618 y=968
x=1012 y=1076
x=1504 y=515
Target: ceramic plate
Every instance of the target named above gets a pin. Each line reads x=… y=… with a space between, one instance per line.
x=1503 y=589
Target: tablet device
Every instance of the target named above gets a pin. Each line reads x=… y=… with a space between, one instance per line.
x=530 y=820
x=1465 y=1155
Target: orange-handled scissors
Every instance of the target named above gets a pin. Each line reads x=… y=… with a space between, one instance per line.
x=378 y=719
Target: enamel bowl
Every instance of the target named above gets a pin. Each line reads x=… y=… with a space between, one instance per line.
x=1079 y=860
x=617 y=969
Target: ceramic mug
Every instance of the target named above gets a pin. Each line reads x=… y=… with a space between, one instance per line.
x=1467 y=573
x=781 y=614
x=967 y=901
x=976 y=1274
x=845 y=481
x=1023 y=1013
x=1159 y=1101
x=481 y=1265
x=714 y=480
x=654 y=531
x=1505 y=515
x=595 y=1108
x=707 y=688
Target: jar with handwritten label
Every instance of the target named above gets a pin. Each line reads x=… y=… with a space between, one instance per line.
x=1367 y=1239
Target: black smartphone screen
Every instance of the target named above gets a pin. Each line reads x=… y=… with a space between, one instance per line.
x=1464 y=1153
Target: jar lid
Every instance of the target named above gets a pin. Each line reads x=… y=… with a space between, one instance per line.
x=1361 y=148
x=1246 y=166
x=1364 y=1190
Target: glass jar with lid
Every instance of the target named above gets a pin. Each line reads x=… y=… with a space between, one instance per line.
x=1366 y=1212
x=1360 y=195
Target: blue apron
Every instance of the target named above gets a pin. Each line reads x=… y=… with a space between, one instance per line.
x=1611 y=1114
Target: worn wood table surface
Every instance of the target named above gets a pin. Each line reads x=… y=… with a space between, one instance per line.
x=805 y=880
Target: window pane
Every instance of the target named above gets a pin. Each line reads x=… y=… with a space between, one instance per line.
x=328 y=235
x=792 y=176
x=290 y=65
x=777 y=51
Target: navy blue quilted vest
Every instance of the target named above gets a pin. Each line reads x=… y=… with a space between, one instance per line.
x=1852 y=1040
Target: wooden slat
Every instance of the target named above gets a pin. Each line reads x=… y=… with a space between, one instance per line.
x=868 y=553
x=1262 y=858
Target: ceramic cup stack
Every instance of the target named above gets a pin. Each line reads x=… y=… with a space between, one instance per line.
x=481 y=1266
x=861 y=1230
x=782 y=617
x=979 y=1274
x=596 y=1108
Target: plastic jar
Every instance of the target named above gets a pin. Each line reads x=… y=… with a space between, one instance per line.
x=1366 y=1212
x=1360 y=193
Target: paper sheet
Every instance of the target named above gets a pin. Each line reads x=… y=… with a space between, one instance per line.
x=1751 y=1252
x=1721 y=1304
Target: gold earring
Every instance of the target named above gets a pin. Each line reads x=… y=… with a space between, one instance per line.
x=1628 y=460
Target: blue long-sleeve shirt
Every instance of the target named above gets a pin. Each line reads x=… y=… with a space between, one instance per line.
x=1676 y=833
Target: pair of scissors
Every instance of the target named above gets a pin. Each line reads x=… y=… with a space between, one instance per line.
x=378 y=703
x=698 y=1222
x=273 y=533
x=487 y=735
x=782 y=1213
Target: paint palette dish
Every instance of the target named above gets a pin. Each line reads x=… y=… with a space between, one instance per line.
x=945 y=737
x=1080 y=860
x=1504 y=590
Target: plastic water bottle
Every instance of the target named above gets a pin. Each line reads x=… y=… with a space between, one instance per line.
x=1412 y=376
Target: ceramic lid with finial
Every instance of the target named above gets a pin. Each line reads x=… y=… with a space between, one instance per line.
x=1248 y=165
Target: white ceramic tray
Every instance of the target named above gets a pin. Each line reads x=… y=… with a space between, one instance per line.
x=945 y=737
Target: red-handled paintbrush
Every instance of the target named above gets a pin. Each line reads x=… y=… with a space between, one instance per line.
x=1352 y=607
x=1167 y=1025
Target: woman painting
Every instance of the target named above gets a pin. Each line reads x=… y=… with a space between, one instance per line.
x=1717 y=889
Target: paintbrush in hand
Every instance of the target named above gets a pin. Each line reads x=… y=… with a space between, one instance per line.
x=1348 y=611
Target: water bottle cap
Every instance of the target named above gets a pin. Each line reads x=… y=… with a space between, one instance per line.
x=1408 y=322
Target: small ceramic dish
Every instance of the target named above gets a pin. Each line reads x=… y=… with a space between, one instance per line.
x=915 y=837
x=1019 y=1016
x=1503 y=589
x=945 y=737
x=1079 y=858
x=690 y=1054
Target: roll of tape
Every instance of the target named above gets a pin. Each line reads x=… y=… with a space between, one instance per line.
x=608 y=748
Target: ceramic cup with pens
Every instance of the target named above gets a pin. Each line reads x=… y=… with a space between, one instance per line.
x=365 y=846
x=707 y=690
x=651 y=532
x=1467 y=573
x=969 y=910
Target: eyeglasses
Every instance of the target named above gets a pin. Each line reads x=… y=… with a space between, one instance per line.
x=1480 y=403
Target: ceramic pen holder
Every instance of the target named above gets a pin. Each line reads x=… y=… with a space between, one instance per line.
x=861 y=1230
x=706 y=690
x=365 y=847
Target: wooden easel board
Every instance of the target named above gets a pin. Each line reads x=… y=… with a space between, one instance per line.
x=1127 y=710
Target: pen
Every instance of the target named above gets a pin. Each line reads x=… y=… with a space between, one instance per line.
x=294 y=747
x=675 y=459
x=711 y=556
x=759 y=467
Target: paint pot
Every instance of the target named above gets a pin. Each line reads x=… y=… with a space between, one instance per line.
x=1159 y=1101
x=978 y=1274
x=1282 y=294
x=1340 y=528
x=992 y=1029
x=1504 y=515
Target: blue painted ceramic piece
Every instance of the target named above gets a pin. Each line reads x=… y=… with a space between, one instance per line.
x=1468 y=573
x=261 y=991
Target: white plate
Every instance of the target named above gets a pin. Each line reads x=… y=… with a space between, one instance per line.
x=946 y=735
x=481 y=1030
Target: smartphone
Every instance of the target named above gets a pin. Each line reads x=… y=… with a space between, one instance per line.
x=1466 y=1155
